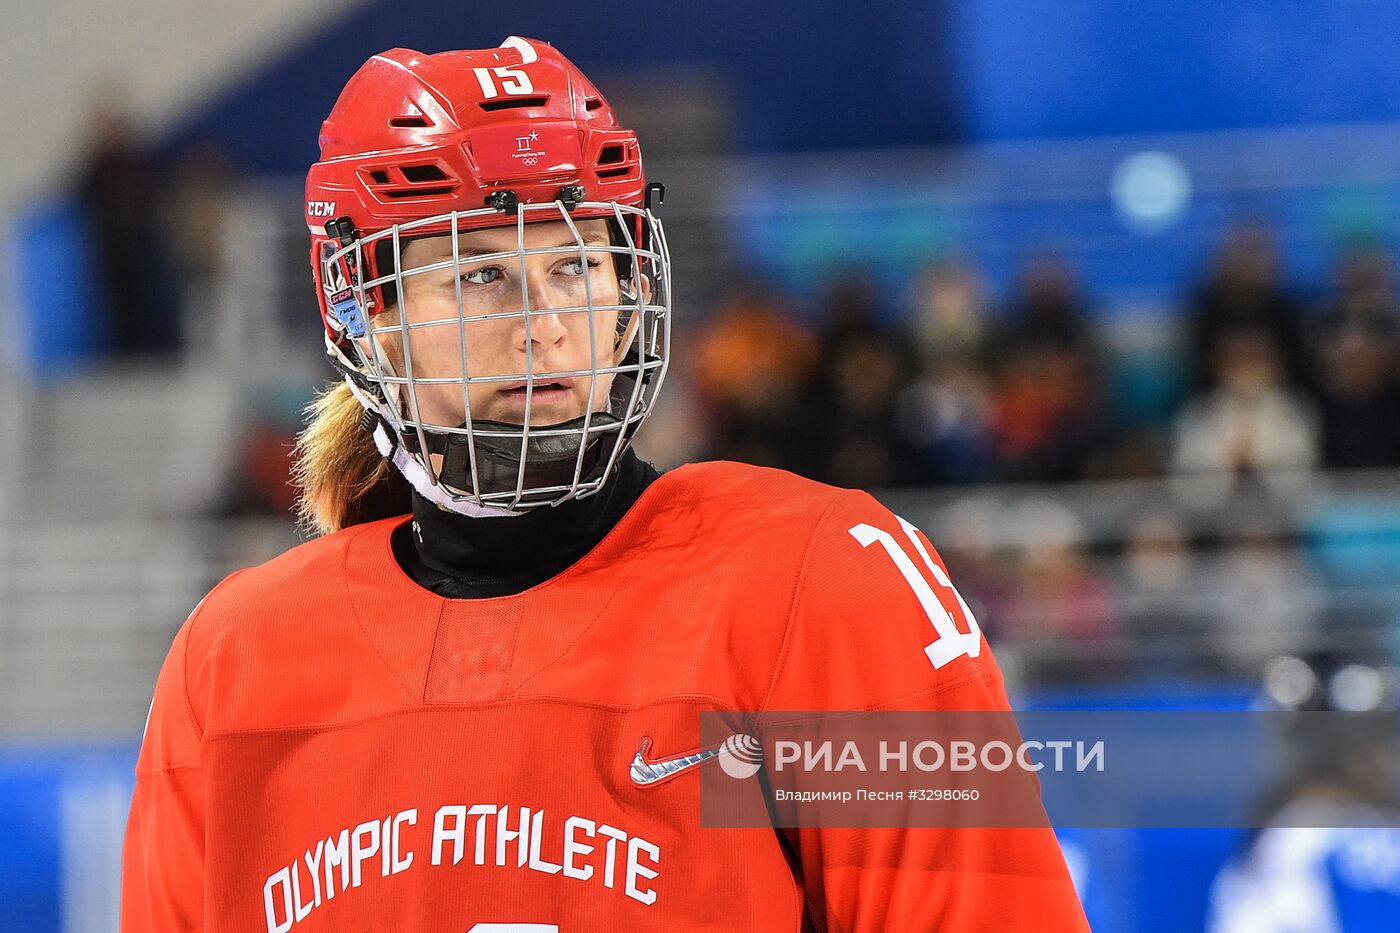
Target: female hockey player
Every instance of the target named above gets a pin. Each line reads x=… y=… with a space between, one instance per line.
x=484 y=716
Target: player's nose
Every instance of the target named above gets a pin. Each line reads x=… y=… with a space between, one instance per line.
x=541 y=327
x=544 y=324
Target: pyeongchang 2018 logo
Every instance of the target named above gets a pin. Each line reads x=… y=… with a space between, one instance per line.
x=525 y=151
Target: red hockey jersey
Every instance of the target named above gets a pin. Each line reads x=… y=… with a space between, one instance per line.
x=333 y=747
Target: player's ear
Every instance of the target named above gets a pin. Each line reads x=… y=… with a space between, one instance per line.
x=627 y=288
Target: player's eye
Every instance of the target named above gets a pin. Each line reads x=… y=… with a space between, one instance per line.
x=575 y=266
x=484 y=276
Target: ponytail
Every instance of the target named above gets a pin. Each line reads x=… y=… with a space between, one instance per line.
x=341 y=477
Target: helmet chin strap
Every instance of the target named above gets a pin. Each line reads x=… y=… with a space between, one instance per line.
x=412 y=470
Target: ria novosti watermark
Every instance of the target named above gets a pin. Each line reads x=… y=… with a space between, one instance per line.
x=1067 y=768
x=929 y=755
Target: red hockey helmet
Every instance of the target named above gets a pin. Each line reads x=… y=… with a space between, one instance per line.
x=434 y=145
x=414 y=136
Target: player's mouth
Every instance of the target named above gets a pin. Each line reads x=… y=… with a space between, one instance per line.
x=546 y=390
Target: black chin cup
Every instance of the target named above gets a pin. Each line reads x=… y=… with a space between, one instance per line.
x=550 y=461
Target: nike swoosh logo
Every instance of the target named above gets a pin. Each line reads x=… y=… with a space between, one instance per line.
x=645 y=773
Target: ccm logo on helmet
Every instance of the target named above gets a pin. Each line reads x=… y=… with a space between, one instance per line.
x=320 y=208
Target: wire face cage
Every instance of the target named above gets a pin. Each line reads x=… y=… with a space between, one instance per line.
x=504 y=367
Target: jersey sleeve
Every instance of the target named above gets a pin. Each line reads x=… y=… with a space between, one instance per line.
x=877 y=625
x=163 y=855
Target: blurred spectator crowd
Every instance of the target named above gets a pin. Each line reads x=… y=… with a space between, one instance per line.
x=949 y=388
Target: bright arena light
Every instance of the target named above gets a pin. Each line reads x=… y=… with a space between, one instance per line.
x=1289 y=681
x=1150 y=191
x=1357 y=688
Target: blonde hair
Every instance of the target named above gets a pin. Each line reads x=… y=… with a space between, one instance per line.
x=341 y=477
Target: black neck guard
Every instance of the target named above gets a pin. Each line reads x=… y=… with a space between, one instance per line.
x=473 y=558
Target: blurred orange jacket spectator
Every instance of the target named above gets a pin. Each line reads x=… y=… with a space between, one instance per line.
x=750 y=352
